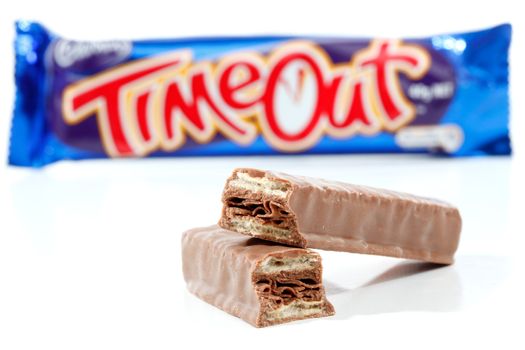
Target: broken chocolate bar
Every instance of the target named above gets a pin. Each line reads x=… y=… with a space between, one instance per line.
x=259 y=281
x=315 y=213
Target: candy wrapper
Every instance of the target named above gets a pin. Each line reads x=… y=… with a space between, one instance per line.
x=446 y=94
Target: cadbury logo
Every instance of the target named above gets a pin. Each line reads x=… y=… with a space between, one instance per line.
x=293 y=97
x=68 y=52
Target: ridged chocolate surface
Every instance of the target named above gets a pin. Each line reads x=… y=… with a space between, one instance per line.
x=343 y=217
x=220 y=267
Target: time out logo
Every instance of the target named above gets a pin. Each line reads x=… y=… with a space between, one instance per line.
x=292 y=96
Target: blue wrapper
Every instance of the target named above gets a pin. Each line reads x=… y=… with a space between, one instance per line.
x=446 y=94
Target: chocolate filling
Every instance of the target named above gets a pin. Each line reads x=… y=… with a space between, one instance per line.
x=268 y=212
x=293 y=289
x=296 y=289
x=258 y=206
x=266 y=218
x=285 y=290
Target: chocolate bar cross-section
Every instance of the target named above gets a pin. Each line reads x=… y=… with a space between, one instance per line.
x=261 y=282
x=315 y=213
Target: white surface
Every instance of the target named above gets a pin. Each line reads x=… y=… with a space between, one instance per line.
x=90 y=258
x=90 y=251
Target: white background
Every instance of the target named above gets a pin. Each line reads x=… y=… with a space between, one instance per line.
x=90 y=251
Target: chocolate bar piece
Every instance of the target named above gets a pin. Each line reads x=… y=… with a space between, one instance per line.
x=259 y=281
x=315 y=213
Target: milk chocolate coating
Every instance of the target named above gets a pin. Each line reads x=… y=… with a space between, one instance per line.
x=316 y=213
x=253 y=279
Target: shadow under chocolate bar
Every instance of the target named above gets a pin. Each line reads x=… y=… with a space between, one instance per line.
x=315 y=213
x=261 y=282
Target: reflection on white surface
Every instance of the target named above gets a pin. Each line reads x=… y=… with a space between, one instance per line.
x=417 y=286
x=398 y=289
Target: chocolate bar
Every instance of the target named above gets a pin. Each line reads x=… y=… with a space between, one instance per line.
x=259 y=281
x=255 y=95
x=315 y=213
